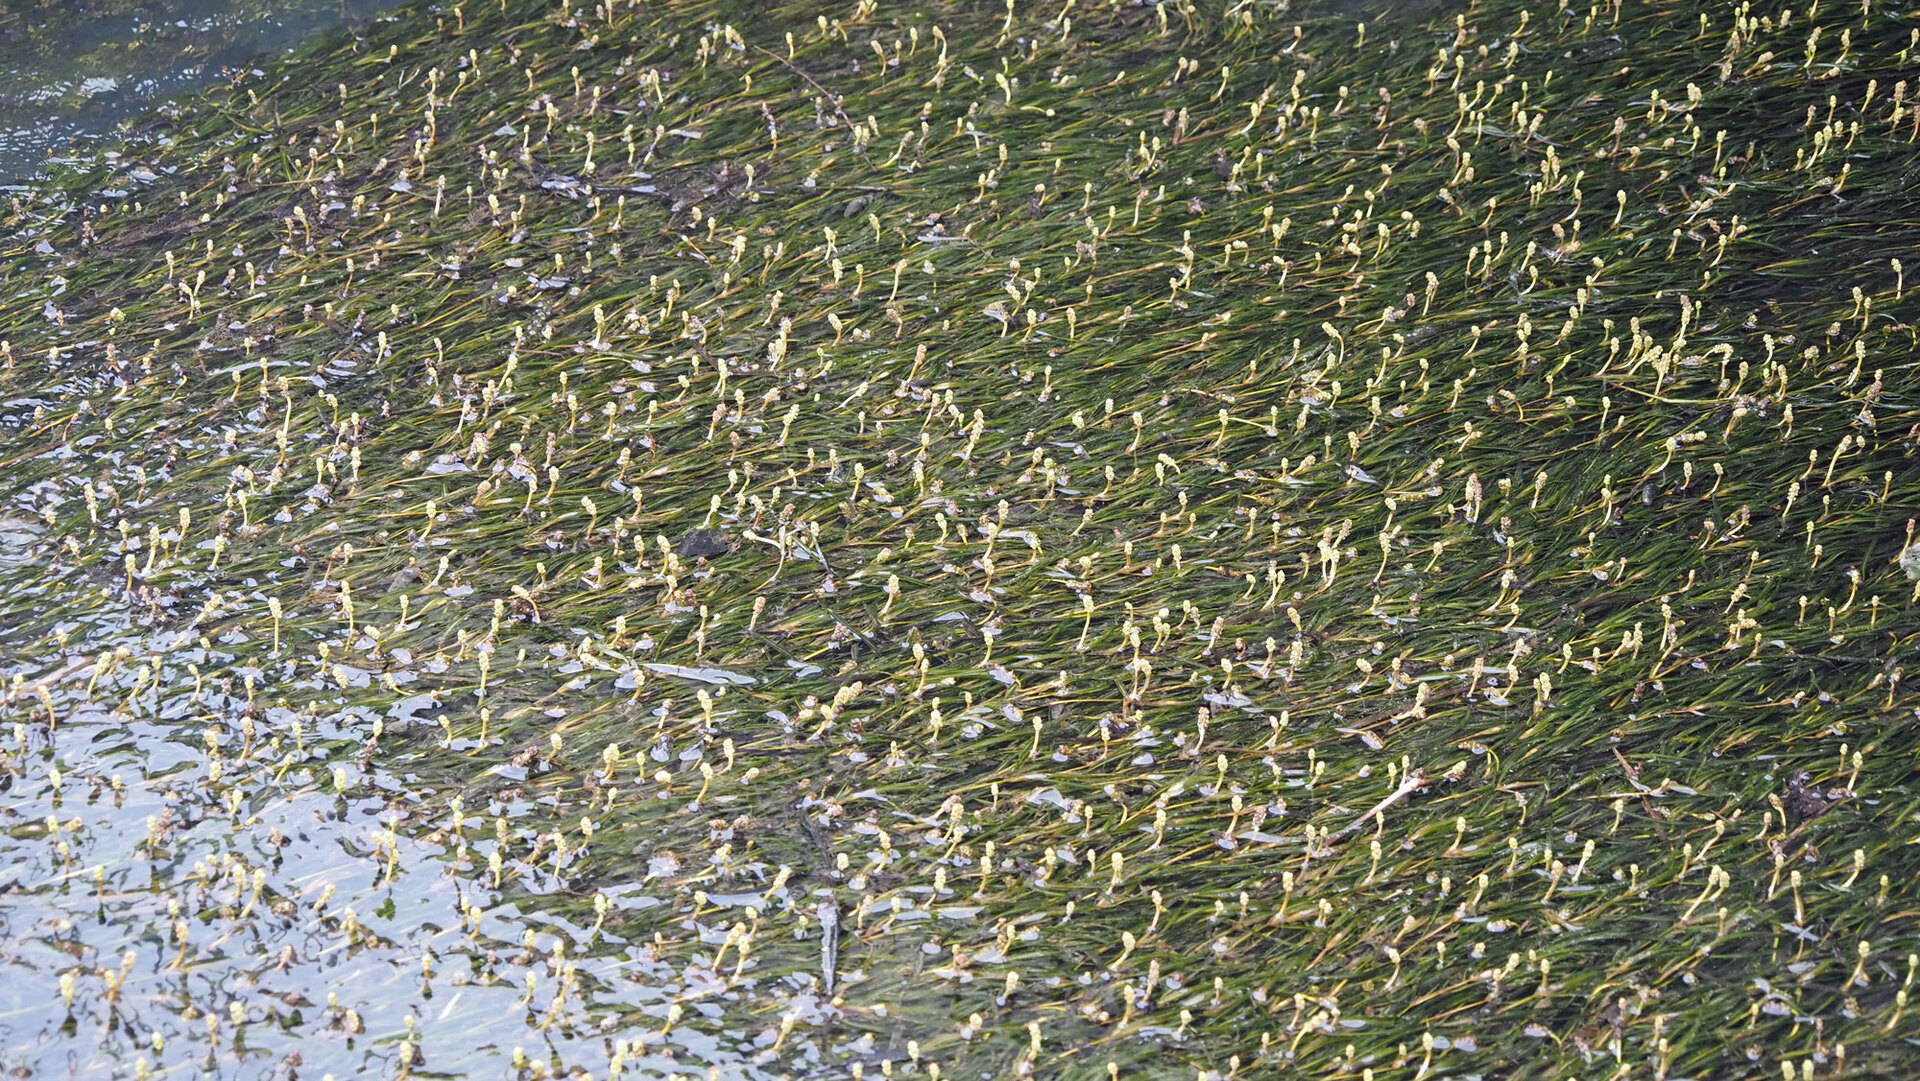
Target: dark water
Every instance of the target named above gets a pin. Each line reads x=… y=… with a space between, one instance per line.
x=72 y=69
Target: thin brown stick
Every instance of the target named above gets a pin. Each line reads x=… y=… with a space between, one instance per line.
x=1412 y=781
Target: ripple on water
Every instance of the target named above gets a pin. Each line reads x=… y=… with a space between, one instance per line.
x=67 y=76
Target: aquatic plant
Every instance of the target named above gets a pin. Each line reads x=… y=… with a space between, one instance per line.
x=1071 y=541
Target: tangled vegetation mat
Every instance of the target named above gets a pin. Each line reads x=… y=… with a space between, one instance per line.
x=1068 y=540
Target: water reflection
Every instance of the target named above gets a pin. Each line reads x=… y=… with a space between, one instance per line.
x=201 y=881
x=72 y=69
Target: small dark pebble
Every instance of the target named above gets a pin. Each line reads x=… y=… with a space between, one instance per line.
x=1804 y=801
x=703 y=544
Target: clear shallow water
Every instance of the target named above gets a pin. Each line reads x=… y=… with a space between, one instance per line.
x=73 y=69
x=199 y=883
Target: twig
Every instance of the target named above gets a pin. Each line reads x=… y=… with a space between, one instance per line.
x=1412 y=781
x=50 y=679
x=811 y=81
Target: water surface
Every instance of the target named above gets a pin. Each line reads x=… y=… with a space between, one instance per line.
x=73 y=69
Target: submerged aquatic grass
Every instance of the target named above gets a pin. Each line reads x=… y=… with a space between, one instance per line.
x=1071 y=541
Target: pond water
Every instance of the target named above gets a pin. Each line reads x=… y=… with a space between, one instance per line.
x=73 y=69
